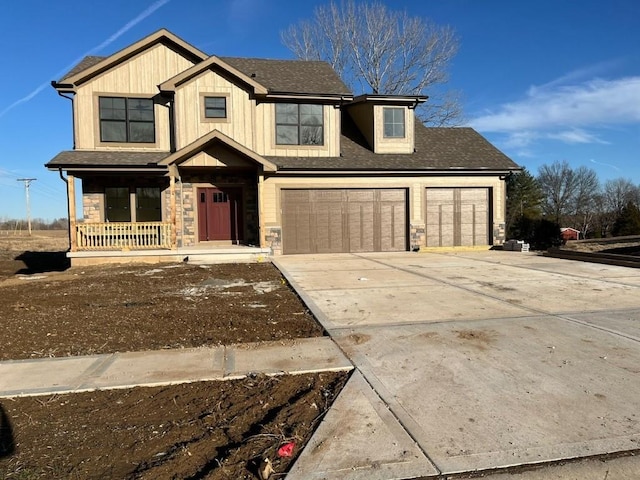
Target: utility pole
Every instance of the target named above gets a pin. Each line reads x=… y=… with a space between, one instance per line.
x=27 y=184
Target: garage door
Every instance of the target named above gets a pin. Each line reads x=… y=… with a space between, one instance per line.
x=457 y=217
x=344 y=220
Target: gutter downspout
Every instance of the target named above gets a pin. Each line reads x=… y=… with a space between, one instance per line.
x=73 y=117
x=71 y=202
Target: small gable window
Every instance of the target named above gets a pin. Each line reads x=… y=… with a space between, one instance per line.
x=127 y=120
x=393 y=122
x=299 y=124
x=215 y=107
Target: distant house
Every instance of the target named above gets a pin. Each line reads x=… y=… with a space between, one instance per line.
x=569 y=233
x=176 y=150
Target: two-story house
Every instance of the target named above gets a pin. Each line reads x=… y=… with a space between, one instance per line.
x=176 y=149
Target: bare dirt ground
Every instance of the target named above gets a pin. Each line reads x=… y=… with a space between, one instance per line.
x=625 y=246
x=202 y=430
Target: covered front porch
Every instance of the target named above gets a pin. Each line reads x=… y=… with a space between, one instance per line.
x=201 y=203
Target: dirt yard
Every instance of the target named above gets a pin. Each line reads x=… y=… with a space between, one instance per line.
x=203 y=430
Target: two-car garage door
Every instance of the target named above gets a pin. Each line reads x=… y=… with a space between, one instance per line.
x=344 y=220
x=375 y=220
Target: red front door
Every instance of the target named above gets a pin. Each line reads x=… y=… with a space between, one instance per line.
x=219 y=214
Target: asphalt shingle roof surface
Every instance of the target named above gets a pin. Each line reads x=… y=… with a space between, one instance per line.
x=436 y=148
x=85 y=63
x=291 y=76
x=78 y=158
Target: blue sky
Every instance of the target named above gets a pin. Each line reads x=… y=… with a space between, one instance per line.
x=544 y=80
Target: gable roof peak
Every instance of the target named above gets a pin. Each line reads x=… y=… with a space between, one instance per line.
x=92 y=66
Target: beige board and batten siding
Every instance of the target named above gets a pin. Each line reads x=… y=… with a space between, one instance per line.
x=139 y=76
x=189 y=110
x=396 y=144
x=369 y=119
x=266 y=135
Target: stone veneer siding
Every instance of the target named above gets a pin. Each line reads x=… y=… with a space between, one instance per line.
x=417 y=236
x=91 y=206
x=273 y=239
x=499 y=233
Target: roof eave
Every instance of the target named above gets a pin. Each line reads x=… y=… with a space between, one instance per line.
x=104 y=168
x=389 y=99
x=399 y=171
x=330 y=97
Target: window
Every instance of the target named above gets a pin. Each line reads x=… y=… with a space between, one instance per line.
x=215 y=107
x=127 y=120
x=148 y=204
x=116 y=204
x=299 y=124
x=393 y=122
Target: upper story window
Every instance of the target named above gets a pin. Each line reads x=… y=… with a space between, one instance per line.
x=393 y=122
x=215 y=107
x=299 y=124
x=127 y=120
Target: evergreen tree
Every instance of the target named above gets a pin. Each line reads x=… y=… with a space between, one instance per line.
x=628 y=222
x=524 y=201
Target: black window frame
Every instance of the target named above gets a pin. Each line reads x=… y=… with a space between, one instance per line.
x=299 y=124
x=394 y=122
x=123 y=116
x=213 y=109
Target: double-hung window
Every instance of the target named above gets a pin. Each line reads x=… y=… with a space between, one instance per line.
x=393 y=122
x=299 y=124
x=127 y=120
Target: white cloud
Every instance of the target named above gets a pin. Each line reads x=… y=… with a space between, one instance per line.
x=575 y=135
x=565 y=112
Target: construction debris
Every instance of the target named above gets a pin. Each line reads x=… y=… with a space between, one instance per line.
x=516 y=246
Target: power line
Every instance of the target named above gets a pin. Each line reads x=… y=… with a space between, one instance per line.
x=27 y=184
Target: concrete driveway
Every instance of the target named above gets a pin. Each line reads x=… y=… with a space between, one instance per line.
x=473 y=361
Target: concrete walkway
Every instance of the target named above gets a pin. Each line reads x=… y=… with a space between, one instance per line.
x=474 y=362
x=165 y=367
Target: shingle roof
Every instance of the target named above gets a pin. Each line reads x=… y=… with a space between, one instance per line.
x=291 y=76
x=85 y=63
x=79 y=158
x=436 y=148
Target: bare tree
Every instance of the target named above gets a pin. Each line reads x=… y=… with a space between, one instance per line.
x=618 y=193
x=558 y=186
x=587 y=187
x=376 y=50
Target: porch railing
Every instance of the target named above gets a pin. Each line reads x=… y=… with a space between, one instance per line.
x=123 y=235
